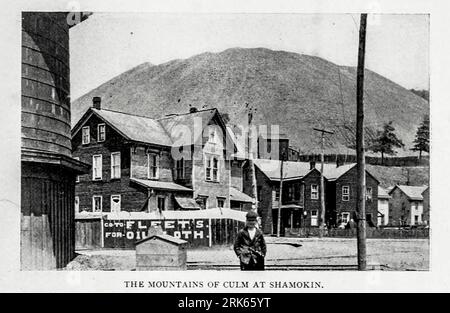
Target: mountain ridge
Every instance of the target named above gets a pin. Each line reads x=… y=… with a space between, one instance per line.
x=296 y=91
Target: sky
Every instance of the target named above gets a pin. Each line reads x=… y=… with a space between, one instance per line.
x=107 y=44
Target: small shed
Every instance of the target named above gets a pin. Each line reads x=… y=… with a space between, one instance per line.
x=160 y=252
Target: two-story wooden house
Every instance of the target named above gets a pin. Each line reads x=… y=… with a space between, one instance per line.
x=143 y=164
x=300 y=204
x=341 y=197
x=407 y=207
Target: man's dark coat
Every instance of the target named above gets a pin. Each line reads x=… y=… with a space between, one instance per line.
x=251 y=253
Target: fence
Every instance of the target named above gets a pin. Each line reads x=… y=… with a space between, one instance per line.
x=388 y=233
x=372 y=160
x=88 y=234
x=121 y=231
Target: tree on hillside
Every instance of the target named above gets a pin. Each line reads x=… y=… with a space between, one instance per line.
x=422 y=141
x=385 y=141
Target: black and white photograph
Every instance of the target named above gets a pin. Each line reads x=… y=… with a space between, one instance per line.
x=199 y=143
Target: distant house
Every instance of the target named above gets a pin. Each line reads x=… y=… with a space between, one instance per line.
x=341 y=198
x=300 y=204
x=406 y=206
x=273 y=146
x=144 y=164
x=383 y=207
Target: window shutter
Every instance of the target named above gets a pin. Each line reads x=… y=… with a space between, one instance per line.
x=100 y=166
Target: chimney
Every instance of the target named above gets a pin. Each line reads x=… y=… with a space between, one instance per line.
x=312 y=164
x=193 y=110
x=97 y=103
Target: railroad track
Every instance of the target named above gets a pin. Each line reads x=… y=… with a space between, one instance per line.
x=276 y=267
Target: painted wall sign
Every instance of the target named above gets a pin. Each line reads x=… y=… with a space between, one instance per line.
x=124 y=233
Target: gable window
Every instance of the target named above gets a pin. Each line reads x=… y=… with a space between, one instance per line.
x=345 y=193
x=369 y=194
x=212 y=136
x=101 y=132
x=77 y=204
x=161 y=203
x=153 y=165
x=220 y=202
x=180 y=169
x=97 y=203
x=314 y=192
x=212 y=168
x=86 y=137
x=115 y=165
x=115 y=203
x=97 y=167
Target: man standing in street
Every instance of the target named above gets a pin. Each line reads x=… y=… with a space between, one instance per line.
x=250 y=245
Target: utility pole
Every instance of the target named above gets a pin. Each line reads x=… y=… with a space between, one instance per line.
x=360 y=157
x=280 y=201
x=251 y=157
x=322 y=181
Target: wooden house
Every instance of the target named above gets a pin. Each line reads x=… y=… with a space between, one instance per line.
x=406 y=206
x=179 y=162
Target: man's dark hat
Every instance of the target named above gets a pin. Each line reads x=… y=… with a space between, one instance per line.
x=251 y=216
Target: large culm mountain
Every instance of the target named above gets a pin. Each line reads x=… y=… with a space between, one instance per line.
x=297 y=92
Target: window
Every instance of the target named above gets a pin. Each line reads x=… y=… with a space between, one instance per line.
x=220 y=202
x=345 y=193
x=314 y=218
x=212 y=168
x=161 y=203
x=115 y=165
x=77 y=204
x=97 y=167
x=345 y=217
x=153 y=165
x=212 y=136
x=86 y=137
x=314 y=192
x=77 y=178
x=201 y=200
x=291 y=192
x=97 y=204
x=115 y=203
x=101 y=132
x=369 y=194
x=180 y=169
x=416 y=219
x=277 y=194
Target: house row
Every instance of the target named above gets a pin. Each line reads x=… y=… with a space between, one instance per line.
x=188 y=161
x=300 y=203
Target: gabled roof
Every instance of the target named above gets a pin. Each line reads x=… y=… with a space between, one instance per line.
x=291 y=170
x=160 y=185
x=237 y=195
x=333 y=172
x=296 y=170
x=176 y=129
x=132 y=127
x=383 y=193
x=412 y=192
x=164 y=237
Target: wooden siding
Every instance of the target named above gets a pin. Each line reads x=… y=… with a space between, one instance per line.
x=47 y=217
